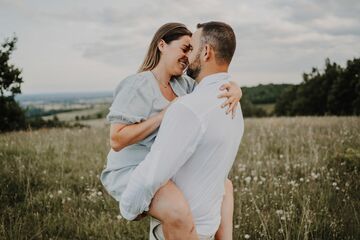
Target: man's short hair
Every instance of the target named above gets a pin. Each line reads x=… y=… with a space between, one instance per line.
x=222 y=39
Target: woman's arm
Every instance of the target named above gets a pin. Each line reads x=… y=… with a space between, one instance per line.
x=233 y=96
x=123 y=135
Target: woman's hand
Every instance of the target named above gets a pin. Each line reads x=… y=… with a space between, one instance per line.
x=233 y=96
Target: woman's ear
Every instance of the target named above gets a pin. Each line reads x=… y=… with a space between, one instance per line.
x=161 y=45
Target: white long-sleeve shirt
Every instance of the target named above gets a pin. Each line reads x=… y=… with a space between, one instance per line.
x=195 y=147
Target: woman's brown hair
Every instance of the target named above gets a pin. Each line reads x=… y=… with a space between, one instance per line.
x=168 y=32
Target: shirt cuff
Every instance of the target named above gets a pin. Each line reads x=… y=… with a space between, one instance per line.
x=128 y=215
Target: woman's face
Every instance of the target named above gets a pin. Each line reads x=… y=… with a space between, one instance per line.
x=175 y=55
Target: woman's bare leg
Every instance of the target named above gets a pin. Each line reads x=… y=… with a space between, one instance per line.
x=170 y=207
x=227 y=210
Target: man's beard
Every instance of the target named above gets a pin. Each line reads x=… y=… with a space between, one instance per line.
x=194 y=68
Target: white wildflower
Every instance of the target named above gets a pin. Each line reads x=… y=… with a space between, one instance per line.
x=279 y=212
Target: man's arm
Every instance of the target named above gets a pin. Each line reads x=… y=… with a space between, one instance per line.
x=178 y=136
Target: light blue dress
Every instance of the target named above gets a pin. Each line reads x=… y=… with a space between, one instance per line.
x=136 y=98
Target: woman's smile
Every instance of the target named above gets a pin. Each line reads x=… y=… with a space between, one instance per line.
x=184 y=63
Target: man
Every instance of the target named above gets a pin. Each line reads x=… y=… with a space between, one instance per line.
x=197 y=143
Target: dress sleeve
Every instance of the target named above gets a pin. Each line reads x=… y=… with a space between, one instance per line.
x=132 y=101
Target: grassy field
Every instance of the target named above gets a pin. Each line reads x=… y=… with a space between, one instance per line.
x=294 y=178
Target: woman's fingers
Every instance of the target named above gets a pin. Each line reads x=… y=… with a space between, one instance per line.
x=233 y=94
x=240 y=94
x=225 y=86
x=231 y=102
x=227 y=102
x=230 y=92
x=232 y=109
x=224 y=94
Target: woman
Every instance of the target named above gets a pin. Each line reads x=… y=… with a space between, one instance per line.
x=139 y=105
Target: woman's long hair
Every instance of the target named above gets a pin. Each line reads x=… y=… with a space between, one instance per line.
x=168 y=32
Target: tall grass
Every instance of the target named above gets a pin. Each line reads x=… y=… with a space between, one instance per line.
x=294 y=178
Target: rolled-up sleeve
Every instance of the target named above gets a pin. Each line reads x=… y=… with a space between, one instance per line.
x=178 y=136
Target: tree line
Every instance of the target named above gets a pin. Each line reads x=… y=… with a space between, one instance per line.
x=333 y=91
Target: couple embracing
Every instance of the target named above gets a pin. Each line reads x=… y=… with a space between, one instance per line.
x=172 y=142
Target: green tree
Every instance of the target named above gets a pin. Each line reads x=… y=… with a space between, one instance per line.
x=250 y=110
x=353 y=69
x=344 y=95
x=10 y=79
x=283 y=106
x=12 y=117
x=264 y=94
x=335 y=91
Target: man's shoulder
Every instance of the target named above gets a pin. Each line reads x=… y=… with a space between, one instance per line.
x=182 y=106
x=188 y=101
x=198 y=100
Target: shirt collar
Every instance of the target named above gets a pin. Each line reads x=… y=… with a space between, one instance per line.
x=213 y=78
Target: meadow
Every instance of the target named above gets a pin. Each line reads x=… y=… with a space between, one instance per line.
x=294 y=178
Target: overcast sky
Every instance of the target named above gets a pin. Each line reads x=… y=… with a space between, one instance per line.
x=79 y=45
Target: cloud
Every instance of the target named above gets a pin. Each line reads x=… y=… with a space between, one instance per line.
x=277 y=40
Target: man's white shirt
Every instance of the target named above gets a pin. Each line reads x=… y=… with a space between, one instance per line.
x=195 y=148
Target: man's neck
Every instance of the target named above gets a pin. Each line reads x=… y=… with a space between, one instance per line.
x=211 y=69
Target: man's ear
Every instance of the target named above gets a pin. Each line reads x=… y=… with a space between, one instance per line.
x=207 y=52
x=161 y=45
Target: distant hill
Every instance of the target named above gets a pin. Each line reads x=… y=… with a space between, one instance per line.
x=264 y=93
x=257 y=101
x=74 y=97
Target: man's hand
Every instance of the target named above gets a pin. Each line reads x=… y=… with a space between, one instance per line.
x=141 y=216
